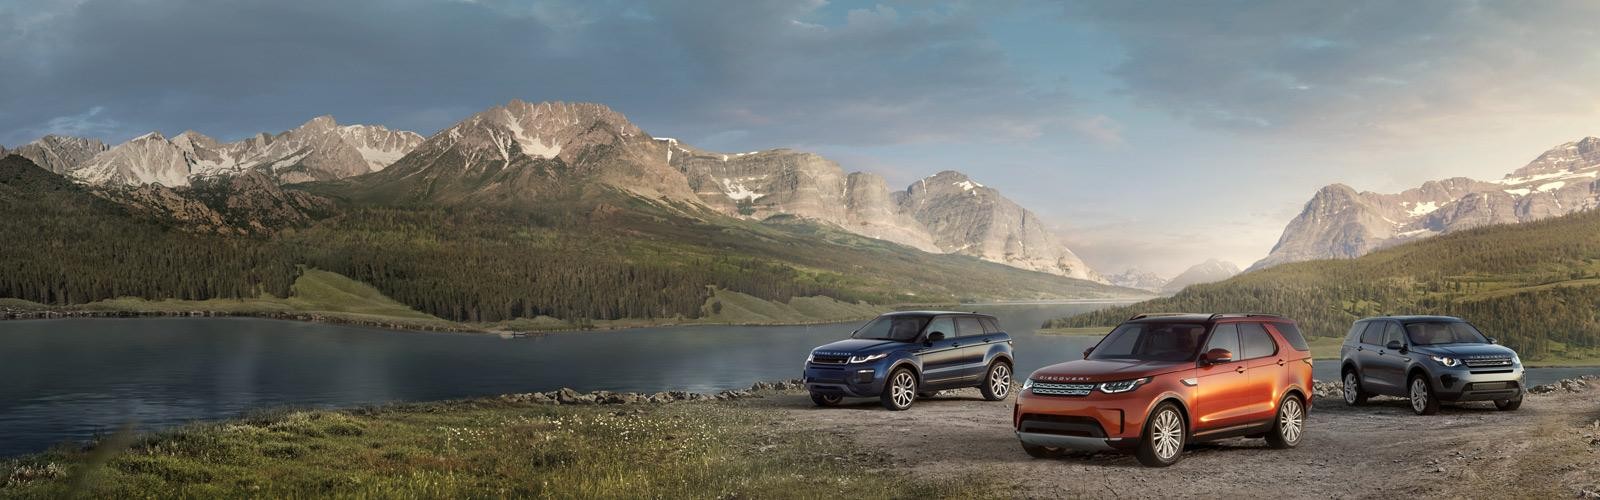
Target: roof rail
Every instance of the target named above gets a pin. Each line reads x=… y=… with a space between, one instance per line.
x=1154 y=315
x=1244 y=315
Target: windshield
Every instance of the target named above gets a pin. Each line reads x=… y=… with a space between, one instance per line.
x=1151 y=342
x=1444 y=332
x=901 y=328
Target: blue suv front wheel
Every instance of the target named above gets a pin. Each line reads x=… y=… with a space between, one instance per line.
x=901 y=390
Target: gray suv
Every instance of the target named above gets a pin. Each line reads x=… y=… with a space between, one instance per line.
x=1428 y=359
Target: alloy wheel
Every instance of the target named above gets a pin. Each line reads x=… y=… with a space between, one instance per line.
x=1351 y=391
x=1419 y=394
x=1000 y=381
x=1168 y=435
x=1291 y=420
x=904 y=389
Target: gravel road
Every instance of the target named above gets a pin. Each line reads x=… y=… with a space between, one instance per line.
x=1550 y=448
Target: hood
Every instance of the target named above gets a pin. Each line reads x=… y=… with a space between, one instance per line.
x=856 y=346
x=1466 y=350
x=1106 y=370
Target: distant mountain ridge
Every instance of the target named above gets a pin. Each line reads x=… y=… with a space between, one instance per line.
x=1340 y=222
x=320 y=149
x=1134 y=277
x=1212 y=270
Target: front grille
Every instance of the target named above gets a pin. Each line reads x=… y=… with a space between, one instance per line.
x=1486 y=362
x=1047 y=389
x=829 y=360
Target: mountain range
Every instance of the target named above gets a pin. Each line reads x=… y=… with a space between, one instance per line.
x=533 y=152
x=1340 y=222
x=523 y=216
x=1211 y=270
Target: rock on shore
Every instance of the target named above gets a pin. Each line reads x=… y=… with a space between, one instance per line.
x=568 y=396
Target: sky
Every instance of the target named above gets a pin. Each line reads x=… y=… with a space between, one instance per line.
x=1149 y=134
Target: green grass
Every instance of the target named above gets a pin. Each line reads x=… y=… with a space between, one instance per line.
x=1325 y=347
x=314 y=292
x=482 y=448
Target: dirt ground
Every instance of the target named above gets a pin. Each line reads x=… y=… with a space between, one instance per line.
x=1550 y=448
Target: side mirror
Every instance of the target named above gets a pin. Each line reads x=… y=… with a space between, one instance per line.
x=1494 y=341
x=1395 y=345
x=1217 y=356
x=1086 y=352
x=935 y=336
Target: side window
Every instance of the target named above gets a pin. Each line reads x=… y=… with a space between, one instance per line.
x=1375 y=334
x=990 y=325
x=1292 y=335
x=1257 y=342
x=1225 y=336
x=942 y=324
x=1355 y=332
x=969 y=326
x=1393 y=333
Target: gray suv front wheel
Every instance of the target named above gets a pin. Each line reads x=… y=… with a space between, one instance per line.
x=1423 y=401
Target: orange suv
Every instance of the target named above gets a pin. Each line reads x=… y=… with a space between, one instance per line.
x=1160 y=381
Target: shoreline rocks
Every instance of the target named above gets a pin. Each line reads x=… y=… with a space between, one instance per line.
x=569 y=396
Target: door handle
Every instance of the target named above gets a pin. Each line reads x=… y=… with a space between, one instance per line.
x=955 y=344
x=1280 y=362
x=987 y=340
x=1239 y=369
x=1359 y=348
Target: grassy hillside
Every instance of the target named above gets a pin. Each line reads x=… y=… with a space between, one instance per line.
x=1535 y=286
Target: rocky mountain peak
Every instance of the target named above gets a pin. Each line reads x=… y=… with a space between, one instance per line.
x=318 y=124
x=59 y=153
x=1339 y=222
x=1570 y=157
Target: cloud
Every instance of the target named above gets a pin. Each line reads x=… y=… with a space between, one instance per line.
x=1366 y=67
x=89 y=123
x=773 y=72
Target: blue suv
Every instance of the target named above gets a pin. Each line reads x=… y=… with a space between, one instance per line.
x=901 y=356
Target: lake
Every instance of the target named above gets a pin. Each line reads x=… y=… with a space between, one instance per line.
x=70 y=379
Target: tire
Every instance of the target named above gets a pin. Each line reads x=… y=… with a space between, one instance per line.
x=997 y=382
x=1164 y=435
x=1354 y=395
x=1508 y=404
x=1037 y=451
x=826 y=399
x=1289 y=425
x=1420 y=392
x=899 y=391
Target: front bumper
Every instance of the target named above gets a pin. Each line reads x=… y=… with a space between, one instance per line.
x=1097 y=421
x=854 y=380
x=1460 y=383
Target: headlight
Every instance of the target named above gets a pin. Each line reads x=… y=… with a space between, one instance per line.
x=868 y=358
x=1122 y=385
x=1027 y=384
x=811 y=357
x=1445 y=360
x=1515 y=360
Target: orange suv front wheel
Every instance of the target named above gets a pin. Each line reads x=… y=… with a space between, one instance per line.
x=1164 y=435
